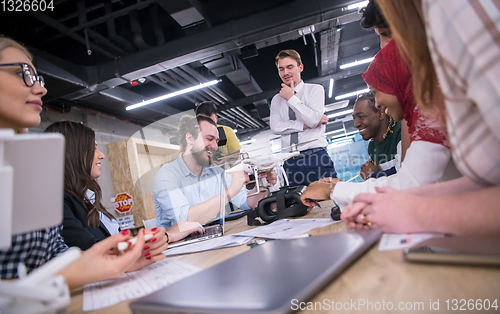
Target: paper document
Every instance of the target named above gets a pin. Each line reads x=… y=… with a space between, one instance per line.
x=394 y=241
x=212 y=244
x=136 y=284
x=287 y=228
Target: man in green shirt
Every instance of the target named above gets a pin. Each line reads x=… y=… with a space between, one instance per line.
x=385 y=135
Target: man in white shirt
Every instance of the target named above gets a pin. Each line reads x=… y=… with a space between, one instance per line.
x=297 y=115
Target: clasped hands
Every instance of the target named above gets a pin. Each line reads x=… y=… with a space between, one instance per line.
x=368 y=168
x=388 y=209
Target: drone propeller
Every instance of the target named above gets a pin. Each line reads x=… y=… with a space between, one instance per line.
x=236 y=154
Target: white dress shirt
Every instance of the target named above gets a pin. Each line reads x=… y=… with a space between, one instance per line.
x=309 y=105
x=112 y=225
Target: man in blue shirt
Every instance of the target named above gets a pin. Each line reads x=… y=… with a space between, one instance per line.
x=188 y=188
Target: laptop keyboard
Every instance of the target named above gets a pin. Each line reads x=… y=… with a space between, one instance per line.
x=208 y=232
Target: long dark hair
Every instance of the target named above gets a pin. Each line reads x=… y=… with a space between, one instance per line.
x=407 y=23
x=78 y=160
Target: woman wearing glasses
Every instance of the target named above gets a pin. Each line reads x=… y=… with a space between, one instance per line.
x=21 y=92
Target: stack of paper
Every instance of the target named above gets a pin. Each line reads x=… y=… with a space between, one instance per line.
x=286 y=228
x=212 y=244
x=136 y=284
x=394 y=241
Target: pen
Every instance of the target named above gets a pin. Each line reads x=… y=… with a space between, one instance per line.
x=255 y=243
x=315 y=201
x=352 y=178
x=123 y=245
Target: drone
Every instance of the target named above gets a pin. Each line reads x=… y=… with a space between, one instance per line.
x=258 y=166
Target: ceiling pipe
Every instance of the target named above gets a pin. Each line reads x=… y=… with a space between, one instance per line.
x=66 y=18
x=246 y=114
x=203 y=79
x=231 y=122
x=221 y=38
x=159 y=35
x=115 y=14
x=236 y=112
x=82 y=18
x=158 y=82
x=236 y=119
x=135 y=25
x=63 y=29
x=110 y=25
x=192 y=81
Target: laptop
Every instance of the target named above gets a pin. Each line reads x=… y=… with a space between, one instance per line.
x=211 y=232
x=264 y=279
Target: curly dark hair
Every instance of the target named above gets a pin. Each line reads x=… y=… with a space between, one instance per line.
x=372 y=17
x=368 y=96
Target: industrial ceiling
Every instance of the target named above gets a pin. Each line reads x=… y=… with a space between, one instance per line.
x=106 y=55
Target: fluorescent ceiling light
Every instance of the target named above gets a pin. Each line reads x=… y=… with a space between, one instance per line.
x=336 y=105
x=248 y=142
x=342 y=113
x=344 y=135
x=177 y=93
x=340 y=139
x=330 y=90
x=356 y=93
x=357 y=5
x=334 y=131
x=355 y=63
x=337 y=144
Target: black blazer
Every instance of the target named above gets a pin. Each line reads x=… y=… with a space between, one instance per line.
x=76 y=231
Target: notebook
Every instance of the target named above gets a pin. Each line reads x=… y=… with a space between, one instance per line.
x=211 y=231
x=264 y=279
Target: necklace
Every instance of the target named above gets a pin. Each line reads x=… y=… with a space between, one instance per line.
x=392 y=123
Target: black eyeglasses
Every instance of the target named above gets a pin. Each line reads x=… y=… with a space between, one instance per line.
x=29 y=75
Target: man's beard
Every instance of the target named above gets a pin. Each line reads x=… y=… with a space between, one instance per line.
x=200 y=159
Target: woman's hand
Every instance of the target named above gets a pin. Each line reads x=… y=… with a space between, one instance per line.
x=101 y=261
x=318 y=191
x=152 y=250
x=182 y=229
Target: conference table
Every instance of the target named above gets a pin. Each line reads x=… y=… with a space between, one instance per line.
x=377 y=281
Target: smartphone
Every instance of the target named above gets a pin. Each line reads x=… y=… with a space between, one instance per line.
x=483 y=251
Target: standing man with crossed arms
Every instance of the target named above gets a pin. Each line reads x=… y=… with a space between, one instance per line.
x=297 y=115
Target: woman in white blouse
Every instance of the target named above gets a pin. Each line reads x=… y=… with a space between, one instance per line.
x=453 y=50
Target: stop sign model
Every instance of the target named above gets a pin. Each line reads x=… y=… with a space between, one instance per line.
x=123 y=203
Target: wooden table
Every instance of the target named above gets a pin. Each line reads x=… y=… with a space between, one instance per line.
x=377 y=277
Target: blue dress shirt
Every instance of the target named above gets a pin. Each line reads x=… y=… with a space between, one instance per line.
x=176 y=188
